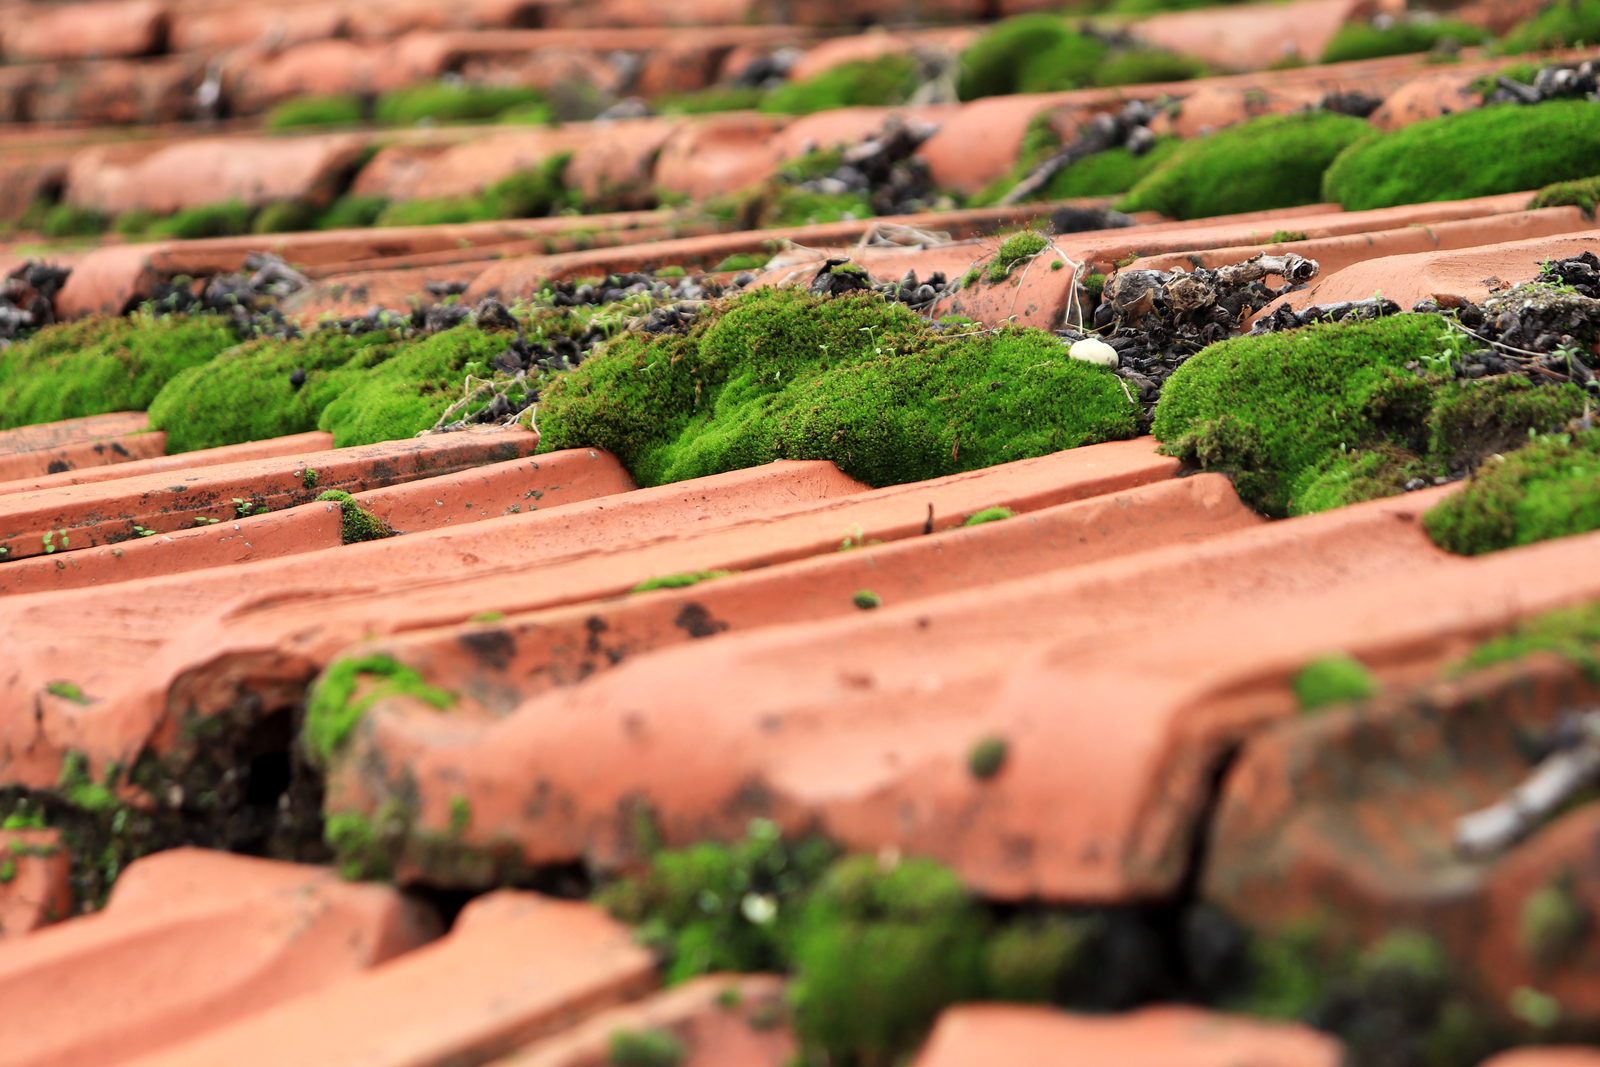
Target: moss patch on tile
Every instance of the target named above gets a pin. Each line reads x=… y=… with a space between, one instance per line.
x=339 y=109
x=1335 y=679
x=1273 y=410
x=1363 y=40
x=98 y=365
x=881 y=82
x=780 y=373
x=358 y=524
x=529 y=193
x=1502 y=148
x=333 y=708
x=444 y=101
x=1573 y=633
x=1564 y=25
x=1270 y=162
x=1550 y=488
x=1029 y=54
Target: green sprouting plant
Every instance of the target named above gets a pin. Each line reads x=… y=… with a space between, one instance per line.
x=202 y=520
x=142 y=531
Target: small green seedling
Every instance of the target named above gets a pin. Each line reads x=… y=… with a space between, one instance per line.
x=201 y=520
x=987 y=757
x=988 y=515
x=243 y=508
x=142 y=531
x=49 y=540
x=866 y=600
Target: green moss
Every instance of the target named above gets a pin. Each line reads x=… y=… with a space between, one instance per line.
x=1553 y=923
x=1502 y=148
x=408 y=391
x=337 y=110
x=529 y=193
x=228 y=218
x=1572 y=633
x=1273 y=409
x=451 y=102
x=801 y=207
x=716 y=907
x=854 y=379
x=1015 y=249
x=987 y=758
x=1334 y=679
x=98 y=365
x=1029 y=53
x=1582 y=194
x=888 y=80
x=70 y=220
x=1286 y=236
x=333 y=710
x=1355 y=475
x=867 y=600
x=1027 y=962
x=879 y=953
x=359 y=524
x=460 y=815
x=743 y=261
x=1270 y=162
x=245 y=394
x=1551 y=488
x=987 y=515
x=644 y=1048
x=366 y=848
x=8 y=871
x=1568 y=24
x=1106 y=173
x=284 y=216
x=1147 y=66
x=134 y=223
x=79 y=789
x=309 y=479
x=711 y=99
x=1472 y=421
x=67 y=691
x=678 y=581
x=352 y=212
x=1363 y=40
x=1485 y=84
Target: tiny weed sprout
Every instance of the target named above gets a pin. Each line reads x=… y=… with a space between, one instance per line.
x=143 y=531
x=987 y=758
x=866 y=600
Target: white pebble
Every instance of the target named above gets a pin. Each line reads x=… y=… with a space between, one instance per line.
x=1093 y=350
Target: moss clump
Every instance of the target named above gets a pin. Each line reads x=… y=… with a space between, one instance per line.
x=1334 y=679
x=1582 y=194
x=78 y=789
x=1497 y=149
x=530 y=193
x=442 y=101
x=1354 y=475
x=1472 y=421
x=1550 y=488
x=1027 y=962
x=341 y=109
x=1571 y=633
x=1107 y=173
x=67 y=691
x=97 y=365
x=678 y=581
x=1363 y=40
x=780 y=373
x=879 y=82
x=1147 y=66
x=1028 y=54
x=1563 y=25
x=246 y=393
x=359 y=524
x=1273 y=409
x=879 y=953
x=644 y=1048
x=1553 y=923
x=1015 y=249
x=1286 y=236
x=333 y=709
x=867 y=600
x=743 y=261
x=802 y=207
x=408 y=391
x=978 y=518
x=987 y=757
x=352 y=212
x=1270 y=162
x=229 y=218
x=70 y=220
x=717 y=907
x=712 y=99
